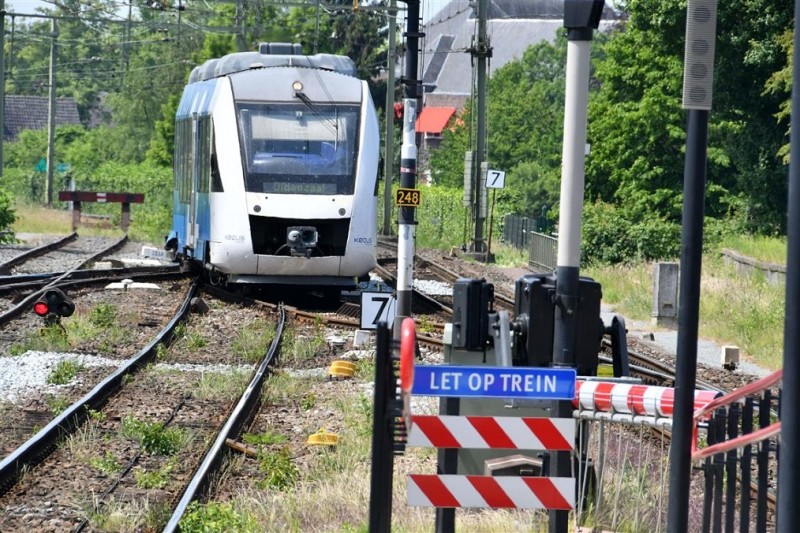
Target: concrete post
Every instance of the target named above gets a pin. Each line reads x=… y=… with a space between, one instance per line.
x=665 y=295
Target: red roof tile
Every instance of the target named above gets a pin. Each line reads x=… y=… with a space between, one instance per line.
x=434 y=119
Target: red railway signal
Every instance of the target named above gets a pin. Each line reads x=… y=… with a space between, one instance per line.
x=52 y=305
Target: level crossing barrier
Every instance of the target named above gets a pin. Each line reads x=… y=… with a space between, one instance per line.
x=395 y=428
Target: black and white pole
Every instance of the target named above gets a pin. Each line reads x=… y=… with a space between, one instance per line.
x=698 y=78
x=788 y=519
x=581 y=18
x=406 y=225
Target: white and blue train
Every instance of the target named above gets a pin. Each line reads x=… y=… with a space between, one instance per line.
x=276 y=162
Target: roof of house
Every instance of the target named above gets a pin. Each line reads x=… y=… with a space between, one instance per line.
x=31 y=112
x=434 y=119
x=512 y=26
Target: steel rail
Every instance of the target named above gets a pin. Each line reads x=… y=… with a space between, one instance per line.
x=243 y=411
x=26 y=302
x=36 y=252
x=40 y=445
x=26 y=282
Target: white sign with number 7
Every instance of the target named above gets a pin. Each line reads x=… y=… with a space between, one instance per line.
x=377 y=307
x=495 y=179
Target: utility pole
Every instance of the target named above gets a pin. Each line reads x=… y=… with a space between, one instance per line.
x=406 y=225
x=388 y=145
x=581 y=18
x=240 y=45
x=480 y=52
x=51 y=115
x=3 y=80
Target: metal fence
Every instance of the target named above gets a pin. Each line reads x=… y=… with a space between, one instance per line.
x=543 y=252
x=517 y=230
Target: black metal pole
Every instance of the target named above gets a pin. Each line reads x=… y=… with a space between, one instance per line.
x=701 y=23
x=788 y=519
x=688 y=311
x=406 y=224
x=380 y=507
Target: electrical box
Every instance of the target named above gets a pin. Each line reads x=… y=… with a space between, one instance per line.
x=534 y=306
x=472 y=301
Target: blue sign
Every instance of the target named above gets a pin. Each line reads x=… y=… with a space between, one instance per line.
x=535 y=383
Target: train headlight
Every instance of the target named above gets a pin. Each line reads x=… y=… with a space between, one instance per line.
x=297 y=86
x=52 y=305
x=301 y=240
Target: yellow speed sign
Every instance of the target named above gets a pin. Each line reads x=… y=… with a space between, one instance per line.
x=408 y=198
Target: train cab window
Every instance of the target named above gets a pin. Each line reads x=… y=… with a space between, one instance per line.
x=293 y=149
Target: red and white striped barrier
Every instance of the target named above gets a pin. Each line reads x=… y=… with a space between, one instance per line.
x=482 y=432
x=510 y=492
x=633 y=399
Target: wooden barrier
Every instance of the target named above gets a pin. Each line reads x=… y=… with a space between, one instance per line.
x=125 y=198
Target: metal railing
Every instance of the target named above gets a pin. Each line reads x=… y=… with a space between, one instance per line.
x=543 y=252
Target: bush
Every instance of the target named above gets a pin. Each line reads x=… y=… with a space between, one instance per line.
x=609 y=237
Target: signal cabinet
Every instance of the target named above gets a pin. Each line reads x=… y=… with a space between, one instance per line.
x=472 y=302
x=534 y=306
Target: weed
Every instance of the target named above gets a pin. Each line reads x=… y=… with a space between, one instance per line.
x=97 y=416
x=308 y=402
x=217 y=517
x=161 y=351
x=156 y=479
x=64 y=372
x=153 y=437
x=52 y=338
x=424 y=324
x=264 y=439
x=278 y=468
x=57 y=404
x=107 y=464
x=222 y=386
x=104 y=315
x=252 y=341
x=195 y=341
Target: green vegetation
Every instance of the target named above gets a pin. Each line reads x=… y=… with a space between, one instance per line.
x=296 y=349
x=278 y=468
x=264 y=439
x=761 y=248
x=52 y=338
x=57 y=404
x=107 y=464
x=155 y=479
x=746 y=311
x=218 y=517
x=252 y=341
x=222 y=385
x=153 y=437
x=64 y=372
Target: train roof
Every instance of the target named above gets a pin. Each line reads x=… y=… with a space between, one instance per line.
x=271 y=55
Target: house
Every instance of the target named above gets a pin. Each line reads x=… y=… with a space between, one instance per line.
x=31 y=113
x=512 y=26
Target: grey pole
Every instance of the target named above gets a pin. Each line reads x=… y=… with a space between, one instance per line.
x=388 y=145
x=480 y=53
x=581 y=18
x=701 y=27
x=51 y=115
x=788 y=519
x=406 y=225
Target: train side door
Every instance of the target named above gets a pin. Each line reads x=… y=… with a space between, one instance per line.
x=191 y=226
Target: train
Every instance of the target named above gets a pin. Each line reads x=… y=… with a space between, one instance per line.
x=276 y=170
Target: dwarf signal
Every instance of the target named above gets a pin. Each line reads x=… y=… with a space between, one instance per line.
x=52 y=305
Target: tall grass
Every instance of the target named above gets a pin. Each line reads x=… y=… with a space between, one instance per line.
x=745 y=311
x=767 y=249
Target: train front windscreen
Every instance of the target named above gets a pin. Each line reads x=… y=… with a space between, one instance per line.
x=299 y=148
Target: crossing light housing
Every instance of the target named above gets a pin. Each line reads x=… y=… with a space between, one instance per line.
x=52 y=305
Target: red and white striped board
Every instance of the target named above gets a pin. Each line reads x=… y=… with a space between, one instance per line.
x=431 y=431
x=508 y=492
x=633 y=399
